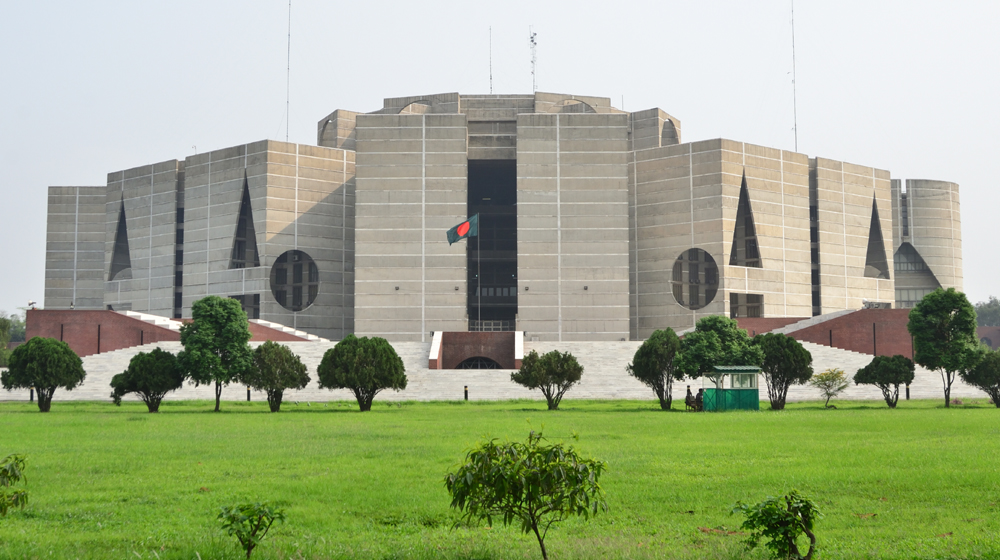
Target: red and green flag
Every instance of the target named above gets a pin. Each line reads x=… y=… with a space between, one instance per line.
x=468 y=228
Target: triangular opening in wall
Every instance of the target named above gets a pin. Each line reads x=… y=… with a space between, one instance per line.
x=121 y=261
x=244 y=253
x=744 y=251
x=876 y=265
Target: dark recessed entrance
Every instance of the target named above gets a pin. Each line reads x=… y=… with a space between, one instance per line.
x=492 y=258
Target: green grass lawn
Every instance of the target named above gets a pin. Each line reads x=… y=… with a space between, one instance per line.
x=917 y=482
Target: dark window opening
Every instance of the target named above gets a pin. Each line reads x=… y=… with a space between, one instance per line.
x=876 y=265
x=478 y=362
x=250 y=304
x=695 y=285
x=180 y=215
x=245 y=253
x=492 y=255
x=305 y=280
x=121 y=261
x=746 y=305
x=904 y=210
x=744 y=251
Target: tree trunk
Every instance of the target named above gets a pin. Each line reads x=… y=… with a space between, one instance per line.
x=218 y=394
x=827 y=405
x=947 y=396
x=153 y=404
x=365 y=404
x=665 y=403
x=274 y=399
x=541 y=542
x=44 y=399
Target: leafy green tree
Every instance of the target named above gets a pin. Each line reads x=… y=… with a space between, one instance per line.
x=554 y=373
x=5 y=325
x=786 y=362
x=215 y=343
x=364 y=365
x=717 y=341
x=531 y=484
x=943 y=327
x=151 y=375
x=830 y=383
x=655 y=364
x=887 y=373
x=275 y=368
x=45 y=364
x=16 y=330
x=988 y=313
x=250 y=522
x=782 y=521
x=986 y=375
x=11 y=473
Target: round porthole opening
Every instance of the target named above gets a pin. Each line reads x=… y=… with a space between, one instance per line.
x=294 y=280
x=695 y=279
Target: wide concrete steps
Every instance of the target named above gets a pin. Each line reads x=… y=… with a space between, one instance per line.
x=604 y=377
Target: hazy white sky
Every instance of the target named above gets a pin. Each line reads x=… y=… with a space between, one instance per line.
x=92 y=87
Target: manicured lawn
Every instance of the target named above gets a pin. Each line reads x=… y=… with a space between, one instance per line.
x=106 y=482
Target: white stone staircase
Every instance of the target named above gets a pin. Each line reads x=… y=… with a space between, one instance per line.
x=604 y=377
x=289 y=330
x=156 y=320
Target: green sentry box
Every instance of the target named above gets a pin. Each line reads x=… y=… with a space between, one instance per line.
x=742 y=393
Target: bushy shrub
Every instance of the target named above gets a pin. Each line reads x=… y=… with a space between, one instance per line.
x=151 y=375
x=530 y=484
x=554 y=373
x=786 y=362
x=887 y=373
x=215 y=343
x=655 y=364
x=986 y=375
x=830 y=383
x=45 y=364
x=275 y=368
x=364 y=365
x=782 y=521
x=250 y=522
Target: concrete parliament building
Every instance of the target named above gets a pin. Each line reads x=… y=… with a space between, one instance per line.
x=596 y=224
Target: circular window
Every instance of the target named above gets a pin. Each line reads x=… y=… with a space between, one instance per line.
x=696 y=279
x=294 y=280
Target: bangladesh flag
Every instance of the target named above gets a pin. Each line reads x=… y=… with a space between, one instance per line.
x=468 y=228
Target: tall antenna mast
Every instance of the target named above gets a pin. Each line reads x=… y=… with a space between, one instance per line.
x=288 y=70
x=491 y=60
x=531 y=40
x=795 y=106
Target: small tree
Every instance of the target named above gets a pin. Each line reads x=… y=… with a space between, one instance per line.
x=717 y=341
x=275 y=368
x=830 y=383
x=887 y=373
x=250 y=522
x=786 y=362
x=988 y=312
x=782 y=521
x=655 y=364
x=364 y=365
x=986 y=375
x=11 y=473
x=5 y=326
x=529 y=483
x=943 y=327
x=45 y=364
x=554 y=373
x=151 y=375
x=215 y=343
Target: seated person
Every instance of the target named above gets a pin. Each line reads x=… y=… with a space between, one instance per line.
x=689 y=399
x=699 y=400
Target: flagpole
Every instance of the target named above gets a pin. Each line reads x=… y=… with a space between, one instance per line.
x=479 y=277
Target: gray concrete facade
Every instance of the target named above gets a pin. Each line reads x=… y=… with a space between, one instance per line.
x=599 y=225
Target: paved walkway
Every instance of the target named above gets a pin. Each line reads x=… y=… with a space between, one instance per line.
x=604 y=377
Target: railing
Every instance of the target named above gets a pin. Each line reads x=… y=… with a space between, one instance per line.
x=490 y=326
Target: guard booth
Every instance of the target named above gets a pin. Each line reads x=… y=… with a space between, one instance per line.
x=732 y=388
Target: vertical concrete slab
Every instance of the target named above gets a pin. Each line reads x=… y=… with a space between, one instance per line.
x=572 y=189
x=411 y=188
x=74 y=248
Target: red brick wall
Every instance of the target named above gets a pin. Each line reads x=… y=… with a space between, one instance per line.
x=879 y=332
x=458 y=346
x=84 y=329
x=992 y=333
x=760 y=325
